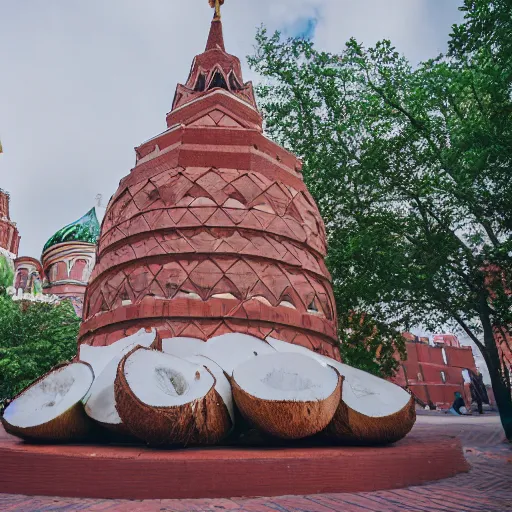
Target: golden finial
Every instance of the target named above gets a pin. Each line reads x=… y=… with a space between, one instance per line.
x=215 y=4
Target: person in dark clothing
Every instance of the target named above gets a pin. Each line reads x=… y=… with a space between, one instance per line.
x=458 y=403
x=478 y=391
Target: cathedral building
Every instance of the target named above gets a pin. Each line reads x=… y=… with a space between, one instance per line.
x=66 y=264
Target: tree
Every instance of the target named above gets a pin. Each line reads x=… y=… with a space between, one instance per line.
x=370 y=345
x=486 y=28
x=411 y=169
x=6 y=273
x=34 y=337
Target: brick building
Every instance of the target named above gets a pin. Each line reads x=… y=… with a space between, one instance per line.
x=9 y=236
x=433 y=373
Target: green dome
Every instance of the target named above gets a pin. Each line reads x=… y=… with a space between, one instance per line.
x=85 y=229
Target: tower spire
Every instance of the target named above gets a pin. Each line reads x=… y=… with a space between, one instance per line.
x=216 y=37
x=212 y=70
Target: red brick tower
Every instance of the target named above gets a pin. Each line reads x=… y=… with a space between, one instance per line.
x=9 y=236
x=213 y=231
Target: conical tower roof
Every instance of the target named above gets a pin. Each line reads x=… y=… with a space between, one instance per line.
x=214 y=230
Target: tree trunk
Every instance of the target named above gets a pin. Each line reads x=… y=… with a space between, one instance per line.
x=499 y=386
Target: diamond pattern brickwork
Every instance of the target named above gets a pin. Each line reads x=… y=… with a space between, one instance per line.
x=214 y=198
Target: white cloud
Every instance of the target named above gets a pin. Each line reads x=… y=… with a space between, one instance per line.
x=84 y=82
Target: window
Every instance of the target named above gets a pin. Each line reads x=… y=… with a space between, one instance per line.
x=200 y=84
x=445 y=359
x=233 y=82
x=218 y=81
x=313 y=308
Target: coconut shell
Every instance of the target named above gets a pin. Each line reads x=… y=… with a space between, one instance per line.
x=204 y=421
x=114 y=429
x=353 y=428
x=287 y=419
x=117 y=429
x=71 y=425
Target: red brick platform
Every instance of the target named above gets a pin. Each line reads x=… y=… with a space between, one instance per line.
x=135 y=472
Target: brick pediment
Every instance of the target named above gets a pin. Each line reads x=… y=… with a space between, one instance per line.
x=218 y=118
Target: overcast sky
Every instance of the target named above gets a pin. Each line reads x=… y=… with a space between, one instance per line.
x=84 y=82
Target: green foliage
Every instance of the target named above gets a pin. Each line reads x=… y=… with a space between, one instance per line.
x=411 y=168
x=34 y=337
x=6 y=273
x=487 y=28
x=369 y=345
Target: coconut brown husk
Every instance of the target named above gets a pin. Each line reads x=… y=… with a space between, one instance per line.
x=117 y=429
x=204 y=421
x=353 y=428
x=287 y=419
x=115 y=434
x=72 y=425
x=114 y=428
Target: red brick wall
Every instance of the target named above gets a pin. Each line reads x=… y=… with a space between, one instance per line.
x=9 y=236
x=429 y=378
x=460 y=357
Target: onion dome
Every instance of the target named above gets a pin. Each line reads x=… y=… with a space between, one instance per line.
x=214 y=230
x=69 y=257
x=85 y=229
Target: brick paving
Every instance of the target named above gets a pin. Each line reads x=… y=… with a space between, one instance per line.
x=487 y=488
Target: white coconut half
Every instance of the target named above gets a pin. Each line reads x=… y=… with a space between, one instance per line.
x=99 y=357
x=50 y=409
x=166 y=400
x=222 y=384
x=100 y=402
x=287 y=395
x=230 y=350
x=368 y=394
x=183 y=347
x=372 y=411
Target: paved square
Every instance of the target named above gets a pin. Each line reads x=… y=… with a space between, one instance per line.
x=487 y=488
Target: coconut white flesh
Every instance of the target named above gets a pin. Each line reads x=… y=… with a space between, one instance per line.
x=222 y=384
x=362 y=392
x=183 y=347
x=230 y=350
x=100 y=402
x=99 y=357
x=286 y=377
x=283 y=346
x=370 y=395
x=50 y=397
x=162 y=380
